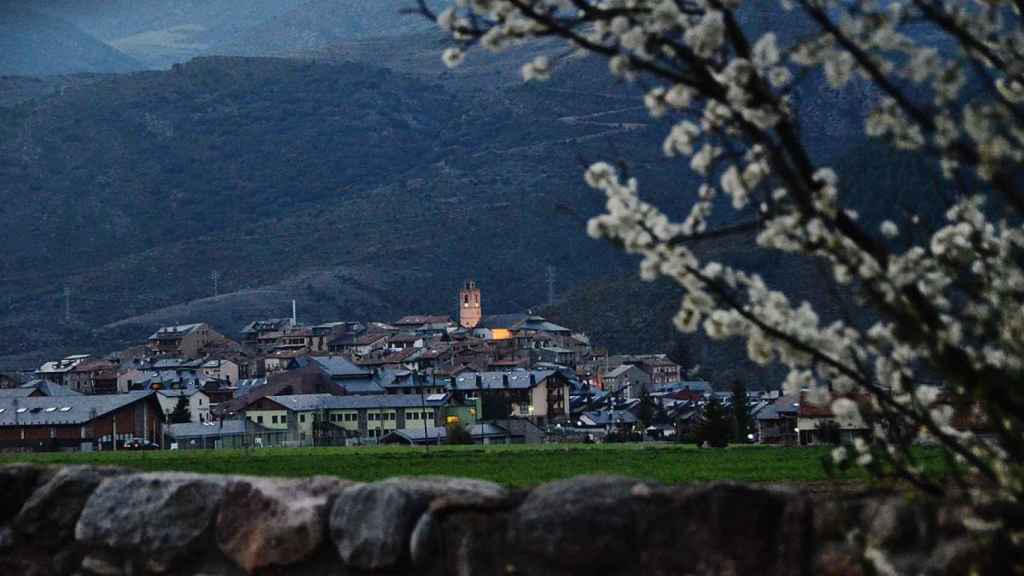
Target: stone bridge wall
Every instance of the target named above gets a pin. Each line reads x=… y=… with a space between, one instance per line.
x=102 y=521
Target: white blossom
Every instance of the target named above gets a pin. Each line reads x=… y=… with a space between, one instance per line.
x=537 y=69
x=952 y=288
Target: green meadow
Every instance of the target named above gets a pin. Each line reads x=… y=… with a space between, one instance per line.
x=517 y=466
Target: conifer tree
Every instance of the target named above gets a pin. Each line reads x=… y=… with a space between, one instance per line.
x=742 y=420
x=181 y=413
x=714 y=428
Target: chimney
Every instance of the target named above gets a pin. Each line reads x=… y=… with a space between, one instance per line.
x=294 y=314
x=504 y=380
x=479 y=381
x=533 y=379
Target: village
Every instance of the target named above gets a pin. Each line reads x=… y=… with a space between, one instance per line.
x=427 y=379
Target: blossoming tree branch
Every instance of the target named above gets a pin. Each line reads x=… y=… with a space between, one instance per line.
x=949 y=307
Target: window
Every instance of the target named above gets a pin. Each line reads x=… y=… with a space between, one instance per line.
x=414 y=416
x=273 y=419
x=302 y=418
x=259 y=419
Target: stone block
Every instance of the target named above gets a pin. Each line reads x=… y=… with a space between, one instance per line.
x=264 y=523
x=49 y=516
x=17 y=483
x=372 y=524
x=159 y=516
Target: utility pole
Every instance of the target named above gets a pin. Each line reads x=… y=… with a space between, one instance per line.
x=67 y=303
x=215 y=276
x=551 y=285
x=423 y=411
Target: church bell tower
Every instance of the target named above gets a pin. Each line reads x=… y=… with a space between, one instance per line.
x=469 y=305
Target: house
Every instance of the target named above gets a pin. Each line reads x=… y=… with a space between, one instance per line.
x=410 y=382
x=307 y=377
x=608 y=420
x=541 y=396
x=555 y=355
x=321 y=335
x=94 y=376
x=400 y=360
x=660 y=369
x=776 y=422
x=497 y=327
x=405 y=340
x=425 y=326
x=265 y=335
x=236 y=433
x=220 y=369
x=80 y=422
x=58 y=370
x=366 y=345
x=198 y=403
x=344 y=374
x=280 y=359
x=628 y=380
x=164 y=373
x=185 y=340
x=690 y=391
x=818 y=425
x=315 y=419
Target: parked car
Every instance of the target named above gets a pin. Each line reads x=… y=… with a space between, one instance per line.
x=140 y=444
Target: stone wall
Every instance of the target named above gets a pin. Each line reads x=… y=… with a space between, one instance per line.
x=105 y=521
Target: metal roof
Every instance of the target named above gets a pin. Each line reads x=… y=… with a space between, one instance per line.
x=50 y=388
x=337 y=366
x=175 y=331
x=63 y=410
x=21 y=392
x=174 y=393
x=608 y=417
x=207 y=429
x=269 y=324
x=517 y=379
x=313 y=402
x=501 y=320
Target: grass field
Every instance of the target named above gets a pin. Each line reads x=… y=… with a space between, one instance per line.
x=509 y=465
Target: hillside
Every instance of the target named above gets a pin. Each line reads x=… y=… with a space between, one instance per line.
x=35 y=44
x=160 y=33
x=359 y=191
x=317 y=24
x=269 y=170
